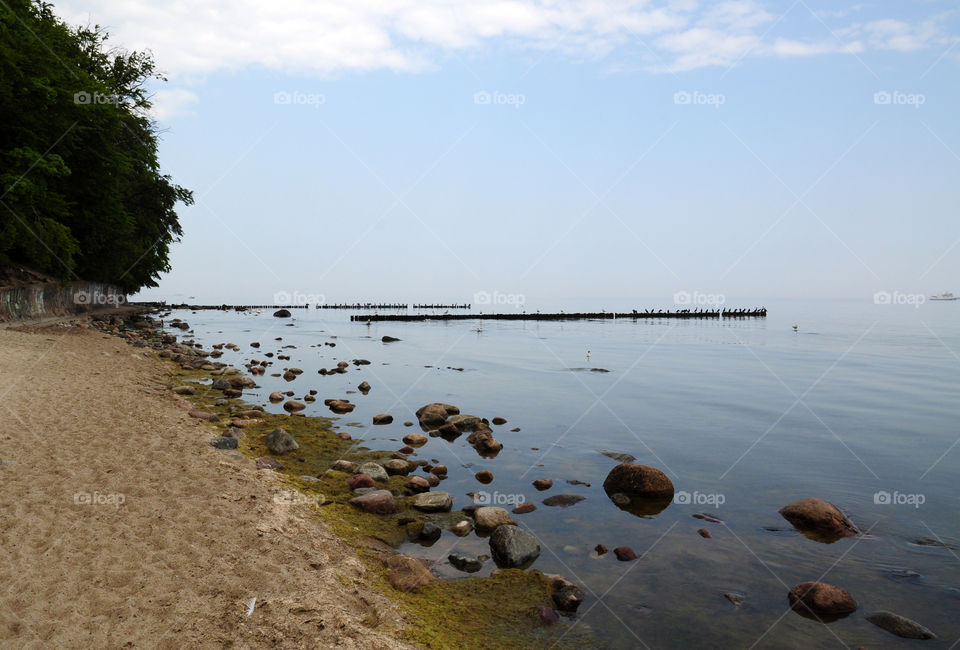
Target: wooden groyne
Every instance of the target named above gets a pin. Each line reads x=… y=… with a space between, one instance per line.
x=536 y=316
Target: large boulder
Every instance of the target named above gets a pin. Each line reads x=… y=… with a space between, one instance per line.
x=279 y=441
x=513 y=548
x=408 y=573
x=818 y=519
x=433 y=415
x=900 y=625
x=379 y=502
x=639 y=489
x=821 y=601
x=282 y=313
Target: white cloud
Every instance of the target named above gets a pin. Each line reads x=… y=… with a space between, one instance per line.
x=193 y=38
x=169 y=102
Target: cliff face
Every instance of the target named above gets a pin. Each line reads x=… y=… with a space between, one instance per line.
x=47 y=299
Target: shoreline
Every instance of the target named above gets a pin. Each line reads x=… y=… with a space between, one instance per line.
x=495 y=611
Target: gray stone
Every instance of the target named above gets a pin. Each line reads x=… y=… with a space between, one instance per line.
x=465 y=563
x=513 y=548
x=900 y=625
x=374 y=471
x=432 y=502
x=224 y=443
x=279 y=442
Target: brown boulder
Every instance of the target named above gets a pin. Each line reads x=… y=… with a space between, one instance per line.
x=292 y=406
x=818 y=519
x=408 y=573
x=638 y=481
x=379 y=502
x=820 y=600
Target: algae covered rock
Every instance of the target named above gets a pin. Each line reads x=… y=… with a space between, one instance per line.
x=279 y=441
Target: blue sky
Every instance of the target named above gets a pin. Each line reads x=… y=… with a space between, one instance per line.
x=628 y=150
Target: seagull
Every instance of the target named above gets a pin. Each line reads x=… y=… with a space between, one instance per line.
x=794 y=328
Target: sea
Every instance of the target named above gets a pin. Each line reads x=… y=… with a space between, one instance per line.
x=851 y=401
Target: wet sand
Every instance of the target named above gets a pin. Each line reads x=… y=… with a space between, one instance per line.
x=121 y=526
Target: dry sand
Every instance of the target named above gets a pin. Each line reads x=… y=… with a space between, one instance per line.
x=198 y=533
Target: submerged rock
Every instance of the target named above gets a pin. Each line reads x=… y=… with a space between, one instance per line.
x=900 y=625
x=464 y=562
x=513 y=548
x=383 y=418
x=821 y=601
x=563 y=500
x=819 y=519
x=624 y=553
x=543 y=484
x=638 y=481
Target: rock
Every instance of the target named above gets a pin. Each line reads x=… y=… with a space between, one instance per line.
x=432 y=502
x=524 y=508
x=233 y=392
x=448 y=432
x=435 y=413
x=340 y=406
x=821 y=600
x=360 y=481
x=279 y=441
x=184 y=390
x=415 y=439
x=224 y=443
x=374 y=471
x=268 y=462
x=383 y=418
x=548 y=616
x=430 y=532
x=220 y=384
x=434 y=481
x=710 y=518
x=363 y=387
x=484 y=476
x=638 y=481
x=513 y=548
x=276 y=397
x=563 y=500
x=282 y=313
x=624 y=553
x=396 y=467
x=344 y=466
x=900 y=625
x=465 y=563
x=439 y=470
x=567 y=597
x=703 y=532
x=203 y=415
x=463 y=422
x=734 y=597
x=418 y=484
x=389 y=339
x=488 y=518
x=819 y=519
x=378 y=502
x=499 y=420
x=407 y=573
x=622 y=458
x=543 y=484
x=461 y=528
x=289 y=376
x=600 y=549
x=292 y=406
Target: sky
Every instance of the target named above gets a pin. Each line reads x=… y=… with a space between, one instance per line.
x=630 y=151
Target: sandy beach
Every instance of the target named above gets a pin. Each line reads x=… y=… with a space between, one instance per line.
x=122 y=526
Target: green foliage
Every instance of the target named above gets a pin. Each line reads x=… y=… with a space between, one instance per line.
x=81 y=191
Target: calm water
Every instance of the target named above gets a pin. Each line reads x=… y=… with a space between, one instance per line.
x=862 y=399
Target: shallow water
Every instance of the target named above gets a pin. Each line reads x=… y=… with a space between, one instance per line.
x=863 y=398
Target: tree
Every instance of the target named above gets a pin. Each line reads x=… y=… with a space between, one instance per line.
x=82 y=194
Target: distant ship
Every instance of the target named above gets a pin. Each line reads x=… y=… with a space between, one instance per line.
x=944 y=296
